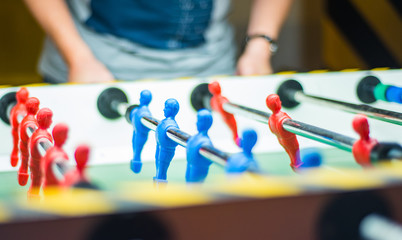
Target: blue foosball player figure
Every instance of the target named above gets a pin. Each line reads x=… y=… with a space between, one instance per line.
x=244 y=161
x=311 y=157
x=197 y=165
x=140 y=132
x=165 y=147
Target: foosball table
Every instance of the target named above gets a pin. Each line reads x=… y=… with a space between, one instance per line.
x=312 y=155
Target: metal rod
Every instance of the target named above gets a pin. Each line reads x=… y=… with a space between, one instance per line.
x=395 y=154
x=305 y=130
x=215 y=155
x=376 y=227
x=43 y=145
x=59 y=167
x=376 y=113
x=121 y=107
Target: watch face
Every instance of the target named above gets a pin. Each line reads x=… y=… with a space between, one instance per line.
x=273 y=47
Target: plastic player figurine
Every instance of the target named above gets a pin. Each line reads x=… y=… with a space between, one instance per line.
x=287 y=139
x=362 y=148
x=165 y=147
x=197 y=165
x=44 y=119
x=311 y=157
x=54 y=155
x=217 y=102
x=17 y=113
x=244 y=161
x=29 y=121
x=77 y=177
x=140 y=132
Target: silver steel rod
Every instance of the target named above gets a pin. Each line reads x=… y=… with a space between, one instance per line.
x=59 y=167
x=302 y=129
x=43 y=145
x=377 y=227
x=215 y=155
x=376 y=113
x=121 y=107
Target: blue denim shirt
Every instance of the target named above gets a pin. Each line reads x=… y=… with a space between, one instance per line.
x=161 y=24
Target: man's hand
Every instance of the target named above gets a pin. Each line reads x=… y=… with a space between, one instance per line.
x=89 y=71
x=266 y=17
x=256 y=58
x=82 y=64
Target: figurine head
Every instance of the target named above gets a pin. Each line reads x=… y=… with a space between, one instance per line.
x=81 y=156
x=361 y=126
x=214 y=88
x=171 y=108
x=60 y=133
x=22 y=95
x=145 y=97
x=249 y=140
x=44 y=118
x=274 y=103
x=32 y=105
x=204 y=120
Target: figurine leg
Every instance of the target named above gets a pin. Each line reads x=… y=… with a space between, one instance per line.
x=163 y=162
x=14 y=153
x=196 y=174
x=231 y=122
x=291 y=147
x=34 y=189
x=139 y=140
x=23 y=170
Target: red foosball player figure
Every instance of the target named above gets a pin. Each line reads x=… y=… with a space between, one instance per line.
x=77 y=178
x=55 y=155
x=362 y=147
x=29 y=121
x=287 y=139
x=217 y=102
x=17 y=113
x=41 y=135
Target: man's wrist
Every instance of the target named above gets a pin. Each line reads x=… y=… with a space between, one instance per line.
x=79 y=57
x=273 y=46
x=258 y=48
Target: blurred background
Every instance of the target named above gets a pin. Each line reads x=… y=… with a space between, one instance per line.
x=318 y=34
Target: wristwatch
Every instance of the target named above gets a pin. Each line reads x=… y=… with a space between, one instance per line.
x=273 y=46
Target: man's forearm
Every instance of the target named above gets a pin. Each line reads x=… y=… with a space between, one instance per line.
x=267 y=17
x=54 y=17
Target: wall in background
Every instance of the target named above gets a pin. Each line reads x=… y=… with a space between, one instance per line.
x=20 y=44
x=300 y=40
x=363 y=34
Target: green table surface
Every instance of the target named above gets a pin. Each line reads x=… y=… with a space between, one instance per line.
x=108 y=177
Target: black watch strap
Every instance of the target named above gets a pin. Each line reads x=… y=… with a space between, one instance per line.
x=273 y=47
